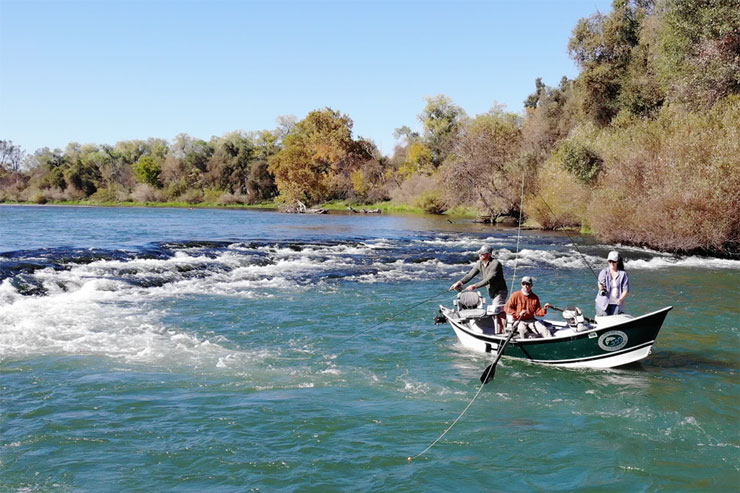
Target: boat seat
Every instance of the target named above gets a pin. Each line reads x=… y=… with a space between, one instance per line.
x=472 y=313
x=469 y=299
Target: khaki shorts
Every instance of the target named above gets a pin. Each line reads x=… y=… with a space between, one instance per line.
x=498 y=302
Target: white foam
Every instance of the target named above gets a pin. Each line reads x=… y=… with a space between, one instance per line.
x=664 y=262
x=471 y=244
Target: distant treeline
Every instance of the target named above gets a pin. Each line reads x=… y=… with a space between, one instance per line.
x=643 y=147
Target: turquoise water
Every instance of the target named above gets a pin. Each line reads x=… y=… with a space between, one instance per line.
x=190 y=350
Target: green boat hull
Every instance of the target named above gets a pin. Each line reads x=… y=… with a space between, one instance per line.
x=609 y=343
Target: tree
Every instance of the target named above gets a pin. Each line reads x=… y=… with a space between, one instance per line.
x=699 y=50
x=261 y=184
x=419 y=159
x=551 y=115
x=534 y=98
x=11 y=156
x=147 y=170
x=186 y=164
x=318 y=157
x=482 y=168
x=441 y=119
x=603 y=46
x=229 y=166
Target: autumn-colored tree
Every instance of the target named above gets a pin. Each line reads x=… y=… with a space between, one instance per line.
x=318 y=154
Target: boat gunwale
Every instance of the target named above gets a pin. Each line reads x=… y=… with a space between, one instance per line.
x=549 y=340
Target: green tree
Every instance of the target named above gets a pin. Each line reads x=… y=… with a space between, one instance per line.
x=147 y=170
x=442 y=120
x=579 y=160
x=603 y=46
x=699 y=50
x=229 y=166
x=534 y=98
x=186 y=164
x=261 y=183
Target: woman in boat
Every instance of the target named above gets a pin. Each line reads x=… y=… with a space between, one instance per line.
x=614 y=286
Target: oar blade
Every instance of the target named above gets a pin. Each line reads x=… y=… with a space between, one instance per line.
x=488 y=374
x=490 y=370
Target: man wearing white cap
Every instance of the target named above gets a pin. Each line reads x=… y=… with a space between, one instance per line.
x=523 y=306
x=614 y=286
x=492 y=275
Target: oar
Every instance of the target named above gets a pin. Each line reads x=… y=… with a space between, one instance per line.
x=589 y=320
x=490 y=370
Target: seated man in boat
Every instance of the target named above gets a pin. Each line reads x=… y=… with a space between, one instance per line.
x=492 y=275
x=523 y=306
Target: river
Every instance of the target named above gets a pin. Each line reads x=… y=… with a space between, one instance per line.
x=240 y=350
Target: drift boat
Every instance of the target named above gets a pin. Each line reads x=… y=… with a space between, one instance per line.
x=604 y=342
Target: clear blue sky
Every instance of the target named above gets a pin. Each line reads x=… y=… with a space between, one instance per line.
x=102 y=71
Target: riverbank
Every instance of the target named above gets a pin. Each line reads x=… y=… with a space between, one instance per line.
x=335 y=205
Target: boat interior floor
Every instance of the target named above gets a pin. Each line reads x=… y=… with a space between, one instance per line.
x=485 y=325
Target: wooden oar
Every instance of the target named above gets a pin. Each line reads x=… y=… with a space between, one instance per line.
x=490 y=370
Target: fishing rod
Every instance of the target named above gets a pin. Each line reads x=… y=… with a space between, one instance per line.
x=391 y=317
x=573 y=242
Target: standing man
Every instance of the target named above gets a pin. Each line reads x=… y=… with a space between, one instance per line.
x=492 y=275
x=523 y=306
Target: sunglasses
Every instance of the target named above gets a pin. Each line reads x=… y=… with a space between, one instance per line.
x=526 y=284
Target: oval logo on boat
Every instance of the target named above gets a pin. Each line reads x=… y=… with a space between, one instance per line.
x=614 y=340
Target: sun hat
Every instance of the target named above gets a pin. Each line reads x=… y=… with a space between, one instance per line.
x=485 y=249
x=613 y=256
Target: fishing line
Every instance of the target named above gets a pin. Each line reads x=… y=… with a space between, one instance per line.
x=395 y=315
x=449 y=427
x=560 y=223
x=516 y=260
x=518 y=237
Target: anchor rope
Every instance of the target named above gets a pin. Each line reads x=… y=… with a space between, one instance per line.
x=516 y=260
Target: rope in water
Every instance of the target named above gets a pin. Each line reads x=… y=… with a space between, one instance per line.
x=516 y=260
